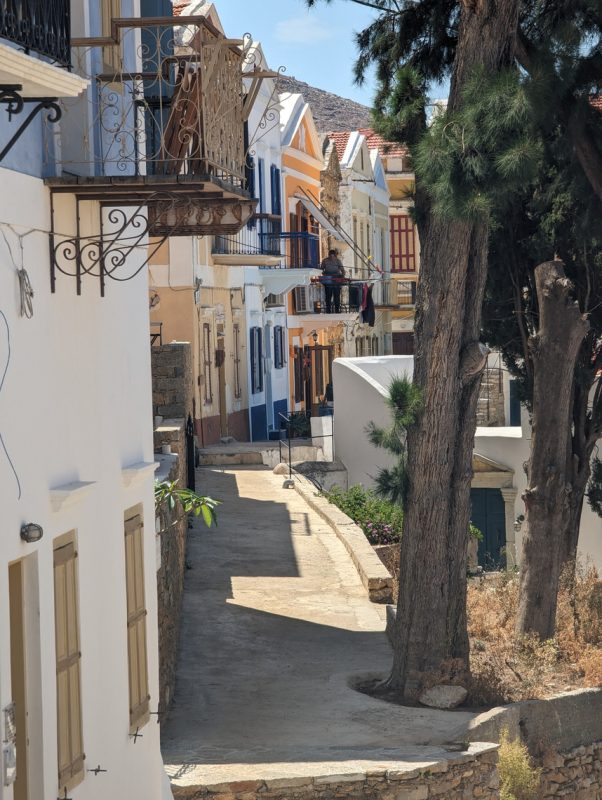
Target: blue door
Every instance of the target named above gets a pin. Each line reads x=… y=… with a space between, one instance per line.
x=489 y=516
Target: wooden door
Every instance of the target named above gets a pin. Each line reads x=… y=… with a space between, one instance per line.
x=488 y=514
x=220 y=362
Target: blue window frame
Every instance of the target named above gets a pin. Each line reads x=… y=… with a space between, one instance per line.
x=275 y=189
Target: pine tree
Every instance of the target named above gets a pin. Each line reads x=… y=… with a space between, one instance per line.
x=551 y=47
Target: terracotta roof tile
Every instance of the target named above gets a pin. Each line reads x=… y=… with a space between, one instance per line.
x=376 y=142
x=340 y=140
x=596 y=101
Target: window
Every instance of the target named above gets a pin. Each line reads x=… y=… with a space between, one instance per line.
x=299 y=381
x=207 y=362
x=355 y=242
x=403 y=256
x=359 y=346
x=256 y=360
x=375 y=346
x=250 y=178
x=237 y=386
x=261 y=184
x=111 y=9
x=369 y=248
x=136 y=622
x=68 y=670
x=275 y=190
x=279 y=345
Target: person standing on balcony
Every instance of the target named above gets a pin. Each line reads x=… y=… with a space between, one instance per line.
x=332 y=272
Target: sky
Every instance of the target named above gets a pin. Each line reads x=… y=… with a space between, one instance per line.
x=316 y=46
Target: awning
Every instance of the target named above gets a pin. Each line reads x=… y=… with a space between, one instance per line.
x=278 y=281
x=321 y=218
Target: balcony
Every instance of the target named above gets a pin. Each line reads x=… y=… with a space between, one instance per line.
x=41 y=31
x=302 y=250
x=163 y=128
x=406 y=293
x=41 y=26
x=393 y=294
x=312 y=299
x=256 y=245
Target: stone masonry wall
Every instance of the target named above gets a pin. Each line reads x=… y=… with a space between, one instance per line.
x=463 y=777
x=172 y=380
x=490 y=407
x=173 y=530
x=576 y=774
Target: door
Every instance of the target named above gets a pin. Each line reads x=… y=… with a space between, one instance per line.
x=489 y=516
x=17 y=674
x=267 y=366
x=220 y=363
x=403 y=344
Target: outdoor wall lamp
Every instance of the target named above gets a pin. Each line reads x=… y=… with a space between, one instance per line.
x=31 y=532
x=314 y=336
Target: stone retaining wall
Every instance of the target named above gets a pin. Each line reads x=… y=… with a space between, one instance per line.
x=172 y=531
x=462 y=777
x=576 y=774
x=171 y=366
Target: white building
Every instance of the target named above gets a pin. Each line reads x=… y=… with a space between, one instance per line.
x=499 y=480
x=78 y=628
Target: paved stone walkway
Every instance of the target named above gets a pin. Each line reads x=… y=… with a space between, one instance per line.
x=276 y=624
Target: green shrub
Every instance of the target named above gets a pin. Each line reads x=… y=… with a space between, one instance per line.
x=380 y=520
x=519 y=779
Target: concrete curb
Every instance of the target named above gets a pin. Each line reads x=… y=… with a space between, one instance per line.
x=373 y=573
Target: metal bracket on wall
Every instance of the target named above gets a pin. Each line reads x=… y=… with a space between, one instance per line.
x=104 y=254
x=10 y=95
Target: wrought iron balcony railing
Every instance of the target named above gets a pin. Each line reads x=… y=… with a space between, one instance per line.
x=314 y=299
x=302 y=250
x=260 y=237
x=406 y=293
x=168 y=103
x=41 y=26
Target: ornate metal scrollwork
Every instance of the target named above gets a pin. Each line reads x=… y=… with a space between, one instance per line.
x=15 y=103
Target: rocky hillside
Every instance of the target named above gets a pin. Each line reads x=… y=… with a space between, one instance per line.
x=331 y=112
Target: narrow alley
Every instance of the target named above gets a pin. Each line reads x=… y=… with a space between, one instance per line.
x=276 y=625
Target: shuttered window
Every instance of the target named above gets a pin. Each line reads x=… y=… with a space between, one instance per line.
x=275 y=190
x=237 y=386
x=299 y=375
x=256 y=360
x=403 y=253
x=136 y=622
x=110 y=9
x=279 y=360
x=68 y=671
x=207 y=363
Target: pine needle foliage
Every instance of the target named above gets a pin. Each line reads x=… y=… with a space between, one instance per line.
x=473 y=162
x=405 y=402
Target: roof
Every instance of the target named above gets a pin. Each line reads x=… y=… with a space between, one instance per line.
x=596 y=101
x=340 y=140
x=376 y=142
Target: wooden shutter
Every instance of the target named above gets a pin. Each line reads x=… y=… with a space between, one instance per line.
x=237 y=386
x=261 y=184
x=403 y=255
x=250 y=180
x=275 y=190
x=68 y=676
x=136 y=622
x=298 y=374
x=110 y=10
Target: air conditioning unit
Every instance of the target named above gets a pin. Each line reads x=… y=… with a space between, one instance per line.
x=301 y=300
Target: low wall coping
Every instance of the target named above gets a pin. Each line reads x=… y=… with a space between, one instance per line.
x=374 y=575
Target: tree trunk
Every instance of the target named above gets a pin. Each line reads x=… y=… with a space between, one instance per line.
x=554 y=351
x=431 y=635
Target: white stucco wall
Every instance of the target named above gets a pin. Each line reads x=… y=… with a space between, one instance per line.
x=360 y=386
x=76 y=406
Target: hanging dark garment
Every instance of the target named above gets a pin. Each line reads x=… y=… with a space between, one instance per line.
x=368 y=313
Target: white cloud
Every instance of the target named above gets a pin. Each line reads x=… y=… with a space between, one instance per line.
x=301 y=30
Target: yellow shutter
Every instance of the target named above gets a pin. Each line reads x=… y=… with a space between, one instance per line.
x=136 y=622
x=68 y=680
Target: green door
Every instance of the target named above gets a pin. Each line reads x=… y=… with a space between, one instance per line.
x=489 y=516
